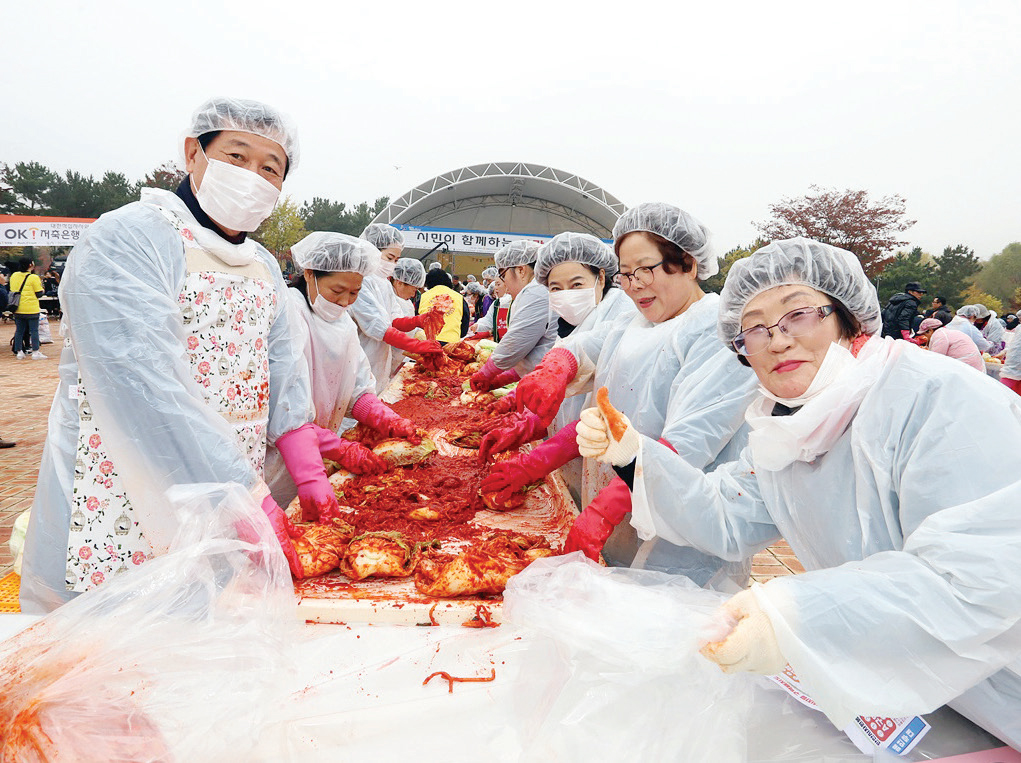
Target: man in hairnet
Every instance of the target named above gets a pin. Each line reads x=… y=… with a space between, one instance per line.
x=531 y=329
x=180 y=363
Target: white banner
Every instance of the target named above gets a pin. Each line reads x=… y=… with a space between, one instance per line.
x=462 y=241
x=15 y=231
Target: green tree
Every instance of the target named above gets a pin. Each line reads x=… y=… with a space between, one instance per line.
x=72 y=195
x=167 y=176
x=29 y=183
x=973 y=295
x=904 y=268
x=1000 y=275
x=848 y=219
x=282 y=229
x=326 y=215
x=112 y=192
x=954 y=270
x=715 y=283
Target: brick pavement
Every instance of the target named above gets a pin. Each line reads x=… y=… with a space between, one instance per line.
x=26 y=389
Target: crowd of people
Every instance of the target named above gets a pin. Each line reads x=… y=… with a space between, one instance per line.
x=700 y=427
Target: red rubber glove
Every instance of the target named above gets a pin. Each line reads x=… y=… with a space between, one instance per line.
x=373 y=412
x=402 y=341
x=482 y=380
x=285 y=532
x=300 y=451
x=1012 y=384
x=507 y=377
x=595 y=524
x=507 y=477
x=504 y=405
x=353 y=456
x=518 y=429
x=481 y=335
x=544 y=390
x=411 y=322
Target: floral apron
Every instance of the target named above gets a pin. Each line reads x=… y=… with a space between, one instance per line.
x=227 y=312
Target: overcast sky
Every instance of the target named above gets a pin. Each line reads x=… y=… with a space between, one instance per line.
x=722 y=108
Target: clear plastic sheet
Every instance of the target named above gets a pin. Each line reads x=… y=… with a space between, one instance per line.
x=177 y=659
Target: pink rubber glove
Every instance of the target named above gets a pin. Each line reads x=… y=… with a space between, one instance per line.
x=353 y=456
x=482 y=380
x=507 y=477
x=507 y=377
x=373 y=412
x=285 y=532
x=1012 y=384
x=402 y=341
x=543 y=391
x=300 y=451
x=481 y=335
x=408 y=323
x=504 y=405
x=595 y=524
x=518 y=429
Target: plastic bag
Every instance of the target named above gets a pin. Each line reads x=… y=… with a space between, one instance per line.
x=16 y=543
x=45 y=336
x=614 y=671
x=177 y=659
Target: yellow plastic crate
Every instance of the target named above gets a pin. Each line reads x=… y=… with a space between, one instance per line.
x=9 y=586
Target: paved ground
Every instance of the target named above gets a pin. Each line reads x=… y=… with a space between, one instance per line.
x=26 y=389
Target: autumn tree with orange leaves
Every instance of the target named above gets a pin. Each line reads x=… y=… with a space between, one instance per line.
x=848 y=219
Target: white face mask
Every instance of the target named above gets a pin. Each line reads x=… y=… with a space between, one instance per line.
x=234 y=197
x=330 y=312
x=573 y=305
x=386 y=268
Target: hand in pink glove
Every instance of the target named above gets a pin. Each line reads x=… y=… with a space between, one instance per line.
x=300 y=451
x=373 y=412
x=507 y=377
x=517 y=429
x=411 y=322
x=353 y=456
x=482 y=380
x=505 y=404
x=595 y=524
x=507 y=477
x=543 y=391
x=402 y=341
x=286 y=532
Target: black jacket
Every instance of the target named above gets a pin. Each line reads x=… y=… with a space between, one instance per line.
x=898 y=314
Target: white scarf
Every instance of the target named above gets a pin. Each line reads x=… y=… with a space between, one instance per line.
x=826 y=408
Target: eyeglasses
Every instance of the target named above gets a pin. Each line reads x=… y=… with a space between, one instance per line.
x=642 y=276
x=500 y=273
x=795 y=323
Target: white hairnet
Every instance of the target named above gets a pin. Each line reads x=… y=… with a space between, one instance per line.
x=676 y=226
x=474 y=287
x=244 y=115
x=491 y=273
x=825 y=268
x=983 y=311
x=520 y=252
x=383 y=236
x=434 y=266
x=410 y=271
x=335 y=253
x=968 y=311
x=472 y=278
x=574 y=247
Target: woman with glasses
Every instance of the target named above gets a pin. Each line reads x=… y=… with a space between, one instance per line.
x=862 y=455
x=530 y=332
x=668 y=369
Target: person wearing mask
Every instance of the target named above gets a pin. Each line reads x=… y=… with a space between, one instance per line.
x=964 y=322
x=862 y=456
x=579 y=271
x=408 y=277
x=945 y=341
x=332 y=268
x=493 y=323
x=900 y=311
x=26 y=315
x=667 y=367
x=441 y=299
x=374 y=311
x=473 y=294
x=1010 y=322
x=530 y=329
x=991 y=328
x=488 y=277
x=180 y=363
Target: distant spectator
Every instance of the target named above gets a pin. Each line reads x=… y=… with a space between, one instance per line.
x=940 y=311
x=26 y=316
x=901 y=310
x=51 y=282
x=949 y=342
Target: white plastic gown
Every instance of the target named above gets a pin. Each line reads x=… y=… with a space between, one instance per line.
x=913 y=592
x=1012 y=361
x=967 y=327
x=531 y=331
x=126 y=340
x=402 y=308
x=674 y=380
x=610 y=308
x=993 y=333
x=373 y=314
x=339 y=373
